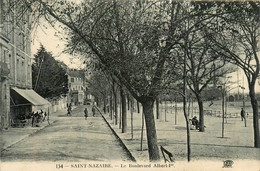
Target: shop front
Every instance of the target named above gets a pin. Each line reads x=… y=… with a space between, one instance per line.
x=25 y=101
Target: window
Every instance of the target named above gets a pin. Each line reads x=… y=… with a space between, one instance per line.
x=17 y=69
x=10 y=61
x=72 y=80
x=23 y=74
x=21 y=41
x=29 y=74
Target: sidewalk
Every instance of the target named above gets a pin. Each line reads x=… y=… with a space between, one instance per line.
x=237 y=143
x=14 y=135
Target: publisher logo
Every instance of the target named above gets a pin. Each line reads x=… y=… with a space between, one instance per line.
x=228 y=164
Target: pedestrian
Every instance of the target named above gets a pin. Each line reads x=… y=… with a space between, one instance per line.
x=33 y=118
x=44 y=116
x=37 y=117
x=69 y=111
x=242 y=113
x=93 y=110
x=41 y=115
x=86 y=113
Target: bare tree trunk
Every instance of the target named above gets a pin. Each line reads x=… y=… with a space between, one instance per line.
x=150 y=129
x=176 y=111
x=255 y=116
x=184 y=104
x=132 y=119
x=115 y=107
x=124 y=114
x=142 y=132
x=191 y=106
x=201 y=115
x=187 y=129
x=138 y=107
x=157 y=109
x=223 y=111
x=120 y=112
x=128 y=102
x=165 y=110
x=111 y=105
x=105 y=104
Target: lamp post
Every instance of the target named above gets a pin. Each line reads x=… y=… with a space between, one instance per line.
x=223 y=107
x=243 y=88
x=175 y=111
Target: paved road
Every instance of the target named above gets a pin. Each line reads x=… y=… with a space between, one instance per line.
x=69 y=139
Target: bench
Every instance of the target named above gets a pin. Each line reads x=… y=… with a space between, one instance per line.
x=170 y=156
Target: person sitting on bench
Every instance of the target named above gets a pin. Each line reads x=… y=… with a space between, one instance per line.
x=195 y=122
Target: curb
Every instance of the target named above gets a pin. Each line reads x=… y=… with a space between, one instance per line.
x=118 y=138
x=26 y=136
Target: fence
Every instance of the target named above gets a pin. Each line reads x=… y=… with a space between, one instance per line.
x=214 y=113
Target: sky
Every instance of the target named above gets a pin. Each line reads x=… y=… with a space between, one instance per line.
x=47 y=36
x=238 y=80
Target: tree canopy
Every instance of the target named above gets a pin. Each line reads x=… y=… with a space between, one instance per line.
x=49 y=77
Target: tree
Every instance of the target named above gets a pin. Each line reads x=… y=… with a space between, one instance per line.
x=49 y=78
x=132 y=40
x=203 y=65
x=237 y=39
x=119 y=33
x=124 y=112
x=99 y=87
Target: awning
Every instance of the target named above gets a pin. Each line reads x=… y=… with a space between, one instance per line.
x=30 y=95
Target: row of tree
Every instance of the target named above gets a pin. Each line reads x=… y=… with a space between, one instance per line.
x=151 y=47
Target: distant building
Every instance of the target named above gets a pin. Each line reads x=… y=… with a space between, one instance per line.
x=16 y=94
x=77 y=87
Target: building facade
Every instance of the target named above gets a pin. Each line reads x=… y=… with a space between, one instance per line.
x=16 y=62
x=77 y=87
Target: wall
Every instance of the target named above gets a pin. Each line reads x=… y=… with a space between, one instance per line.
x=58 y=104
x=76 y=89
x=15 y=51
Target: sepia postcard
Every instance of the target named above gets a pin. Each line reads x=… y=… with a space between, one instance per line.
x=129 y=85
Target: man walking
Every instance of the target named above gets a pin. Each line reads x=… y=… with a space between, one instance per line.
x=242 y=113
x=33 y=118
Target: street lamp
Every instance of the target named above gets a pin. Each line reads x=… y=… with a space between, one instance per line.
x=243 y=88
x=223 y=107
